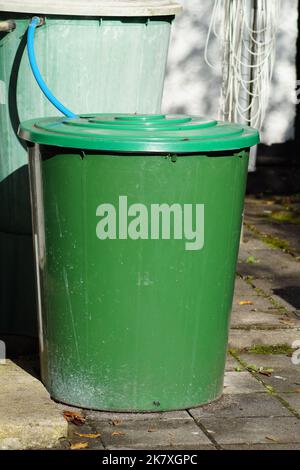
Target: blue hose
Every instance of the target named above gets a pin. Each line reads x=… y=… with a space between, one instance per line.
x=37 y=74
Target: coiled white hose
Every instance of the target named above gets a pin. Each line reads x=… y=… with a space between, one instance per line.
x=247 y=30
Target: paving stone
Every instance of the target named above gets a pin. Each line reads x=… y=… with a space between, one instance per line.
x=259 y=302
x=284 y=292
x=283 y=230
x=286 y=375
x=273 y=361
x=28 y=417
x=243 y=339
x=277 y=273
x=242 y=405
x=248 y=318
x=113 y=416
x=273 y=446
x=231 y=363
x=284 y=430
x=78 y=434
x=293 y=399
x=152 y=434
x=281 y=292
x=241 y=383
x=242 y=288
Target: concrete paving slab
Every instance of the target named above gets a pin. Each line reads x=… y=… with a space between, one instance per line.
x=256 y=319
x=285 y=231
x=242 y=289
x=29 y=419
x=273 y=361
x=85 y=434
x=231 y=363
x=285 y=376
x=293 y=399
x=152 y=434
x=277 y=273
x=273 y=446
x=259 y=303
x=244 y=339
x=124 y=417
x=249 y=405
x=241 y=383
x=281 y=430
x=285 y=293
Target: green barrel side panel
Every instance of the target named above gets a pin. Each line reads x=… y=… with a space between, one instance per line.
x=136 y=324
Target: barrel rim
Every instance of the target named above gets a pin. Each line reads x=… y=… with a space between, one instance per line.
x=112 y=8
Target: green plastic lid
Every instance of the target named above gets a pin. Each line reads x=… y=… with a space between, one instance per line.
x=139 y=133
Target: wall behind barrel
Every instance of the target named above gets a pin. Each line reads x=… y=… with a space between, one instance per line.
x=194 y=88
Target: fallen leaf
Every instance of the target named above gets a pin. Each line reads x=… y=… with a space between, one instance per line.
x=270 y=438
x=246 y=302
x=297 y=390
x=118 y=433
x=116 y=422
x=287 y=321
x=152 y=430
x=260 y=370
x=88 y=436
x=266 y=372
x=75 y=418
x=79 y=445
x=252 y=260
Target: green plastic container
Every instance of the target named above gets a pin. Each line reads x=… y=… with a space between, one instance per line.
x=106 y=56
x=137 y=224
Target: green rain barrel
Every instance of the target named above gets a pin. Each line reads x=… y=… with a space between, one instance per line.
x=99 y=55
x=137 y=224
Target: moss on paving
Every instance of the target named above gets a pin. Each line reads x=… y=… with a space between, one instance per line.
x=270 y=349
x=271 y=390
x=285 y=216
x=277 y=305
x=273 y=242
x=270 y=240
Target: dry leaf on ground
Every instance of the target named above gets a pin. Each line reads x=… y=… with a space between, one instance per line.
x=75 y=418
x=118 y=433
x=152 y=430
x=246 y=302
x=116 y=422
x=270 y=438
x=79 y=445
x=287 y=322
x=266 y=373
x=88 y=436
